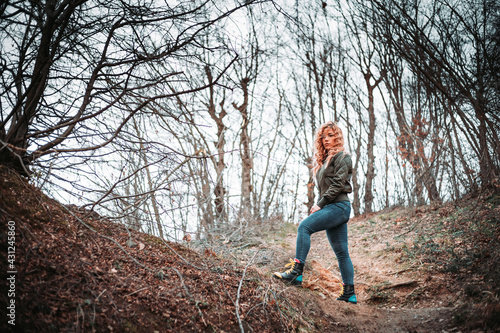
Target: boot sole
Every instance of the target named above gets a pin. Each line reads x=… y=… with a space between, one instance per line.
x=347 y=301
x=293 y=282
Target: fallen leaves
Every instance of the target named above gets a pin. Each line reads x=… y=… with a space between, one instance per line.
x=118 y=279
x=322 y=279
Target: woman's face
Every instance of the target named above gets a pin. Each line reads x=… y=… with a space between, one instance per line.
x=328 y=138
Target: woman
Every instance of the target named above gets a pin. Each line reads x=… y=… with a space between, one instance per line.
x=333 y=170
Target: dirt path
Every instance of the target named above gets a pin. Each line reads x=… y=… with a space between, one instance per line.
x=391 y=297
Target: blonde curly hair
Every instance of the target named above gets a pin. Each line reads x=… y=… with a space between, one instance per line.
x=320 y=152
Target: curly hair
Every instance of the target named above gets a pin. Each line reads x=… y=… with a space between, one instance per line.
x=320 y=152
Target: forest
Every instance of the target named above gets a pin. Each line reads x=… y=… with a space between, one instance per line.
x=180 y=117
x=156 y=146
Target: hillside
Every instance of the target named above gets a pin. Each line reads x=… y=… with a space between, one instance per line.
x=78 y=272
x=425 y=269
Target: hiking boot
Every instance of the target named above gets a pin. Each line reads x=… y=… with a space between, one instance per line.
x=347 y=294
x=294 y=274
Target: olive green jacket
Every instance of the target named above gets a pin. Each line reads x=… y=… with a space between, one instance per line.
x=334 y=180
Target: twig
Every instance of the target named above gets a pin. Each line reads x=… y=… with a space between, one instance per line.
x=409 y=230
x=278 y=307
x=397 y=285
x=246 y=245
x=402 y=271
x=189 y=294
x=182 y=258
x=97 y=298
x=238 y=293
x=134 y=292
x=326 y=291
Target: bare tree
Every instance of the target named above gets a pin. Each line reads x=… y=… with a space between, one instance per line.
x=316 y=83
x=218 y=161
x=245 y=150
x=68 y=65
x=413 y=131
x=451 y=46
x=363 y=45
x=247 y=70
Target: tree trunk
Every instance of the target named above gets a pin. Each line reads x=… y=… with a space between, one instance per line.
x=220 y=144
x=356 y=202
x=310 y=186
x=370 y=168
x=486 y=166
x=245 y=152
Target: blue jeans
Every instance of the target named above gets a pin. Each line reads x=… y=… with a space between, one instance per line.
x=332 y=218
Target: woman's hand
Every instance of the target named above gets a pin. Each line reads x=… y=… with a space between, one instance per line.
x=315 y=208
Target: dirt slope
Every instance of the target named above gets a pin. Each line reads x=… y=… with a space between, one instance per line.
x=426 y=269
x=78 y=272
x=372 y=314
